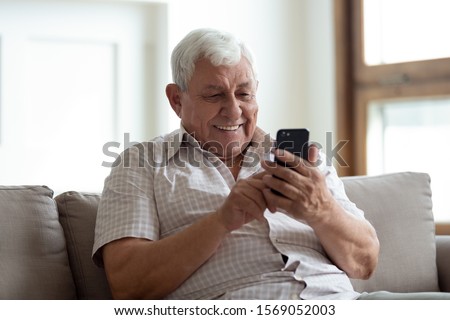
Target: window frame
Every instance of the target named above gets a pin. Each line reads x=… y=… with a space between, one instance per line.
x=358 y=83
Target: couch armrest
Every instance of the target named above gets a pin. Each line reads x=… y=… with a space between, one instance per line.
x=443 y=261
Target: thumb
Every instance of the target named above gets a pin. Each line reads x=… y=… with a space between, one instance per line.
x=313 y=153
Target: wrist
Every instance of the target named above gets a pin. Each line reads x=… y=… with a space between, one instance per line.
x=327 y=215
x=220 y=224
x=324 y=213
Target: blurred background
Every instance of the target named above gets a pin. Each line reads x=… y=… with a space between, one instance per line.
x=80 y=80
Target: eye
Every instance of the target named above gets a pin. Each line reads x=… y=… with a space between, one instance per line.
x=245 y=96
x=213 y=97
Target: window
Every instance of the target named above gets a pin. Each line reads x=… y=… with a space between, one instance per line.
x=405 y=30
x=393 y=76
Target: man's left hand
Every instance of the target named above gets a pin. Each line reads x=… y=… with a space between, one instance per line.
x=304 y=193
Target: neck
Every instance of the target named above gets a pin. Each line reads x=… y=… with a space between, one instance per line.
x=234 y=164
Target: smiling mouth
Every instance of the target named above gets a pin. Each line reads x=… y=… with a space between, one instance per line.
x=228 y=128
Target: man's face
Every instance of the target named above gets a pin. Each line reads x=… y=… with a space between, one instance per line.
x=219 y=107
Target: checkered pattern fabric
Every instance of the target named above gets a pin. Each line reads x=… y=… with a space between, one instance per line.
x=160 y=187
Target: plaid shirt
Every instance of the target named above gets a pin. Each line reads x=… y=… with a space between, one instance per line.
x=160 y=187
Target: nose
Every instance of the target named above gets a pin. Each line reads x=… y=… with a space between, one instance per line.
x=231 y=108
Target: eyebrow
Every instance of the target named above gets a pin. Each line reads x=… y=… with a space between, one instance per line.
x=218 y=87
x=245 y=84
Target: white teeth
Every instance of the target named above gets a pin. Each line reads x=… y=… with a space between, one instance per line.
x=228 y=128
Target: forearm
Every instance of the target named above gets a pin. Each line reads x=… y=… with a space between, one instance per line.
x=139 y=268
x=350 y=242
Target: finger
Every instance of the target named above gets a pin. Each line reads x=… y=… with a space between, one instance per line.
x=258 y=184
x=275 y=201
x=289 y=175
x=253 y=202
x=251 y=192
x=286 y=189
x=287 y=157
x=258 y=176
x=313 y=153
x=294 y=161
x=298 y=164
x=272 y=167
x=245 y=207
x=268 y=196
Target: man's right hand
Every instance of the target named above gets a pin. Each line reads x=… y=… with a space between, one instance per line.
x=244 y=203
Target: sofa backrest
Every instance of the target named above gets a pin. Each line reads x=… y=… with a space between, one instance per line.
x=33 y=259
x=399 y=206
x=77 y=214
x=46 y=244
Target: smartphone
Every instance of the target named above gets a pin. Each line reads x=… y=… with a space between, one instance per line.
x=295 y=141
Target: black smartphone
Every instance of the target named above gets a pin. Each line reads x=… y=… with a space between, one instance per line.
x=295 y=141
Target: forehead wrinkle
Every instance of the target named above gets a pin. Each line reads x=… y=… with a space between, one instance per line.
x=214 y=87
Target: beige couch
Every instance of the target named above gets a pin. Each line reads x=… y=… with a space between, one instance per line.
x=45 y=242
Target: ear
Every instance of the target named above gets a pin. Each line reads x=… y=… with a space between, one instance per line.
x=173 y=94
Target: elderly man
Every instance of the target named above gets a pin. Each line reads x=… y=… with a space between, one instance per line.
x=192 y=215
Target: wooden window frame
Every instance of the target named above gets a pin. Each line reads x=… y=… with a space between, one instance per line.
x=358 y=83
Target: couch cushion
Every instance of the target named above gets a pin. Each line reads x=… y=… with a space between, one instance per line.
x=33 y=257
x=399 y=207
x=77 y=215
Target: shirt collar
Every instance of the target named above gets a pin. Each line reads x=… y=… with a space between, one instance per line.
x=262 y=140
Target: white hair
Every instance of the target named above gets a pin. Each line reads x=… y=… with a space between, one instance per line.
x=220 y=48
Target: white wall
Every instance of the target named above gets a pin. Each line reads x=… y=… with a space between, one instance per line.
x=320 y=68
x=74 y=76
x=292 y=41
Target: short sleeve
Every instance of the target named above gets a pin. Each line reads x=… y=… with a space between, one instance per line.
x=127 y=207
x=336 y=187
